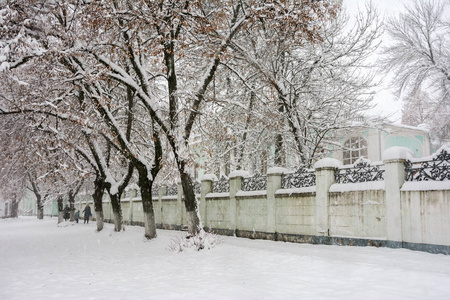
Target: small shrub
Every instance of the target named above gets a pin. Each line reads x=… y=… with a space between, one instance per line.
x=203 y=240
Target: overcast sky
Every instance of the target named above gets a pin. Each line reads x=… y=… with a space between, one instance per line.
x=384 y=6
x=386 y=101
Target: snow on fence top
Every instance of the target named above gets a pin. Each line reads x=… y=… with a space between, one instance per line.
x=257 y=182
x=395 y=153
x=300 y=178
x=221 y=186
x=360 y=171
x=436 y=167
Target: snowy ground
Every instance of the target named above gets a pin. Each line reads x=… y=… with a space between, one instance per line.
x=39 y=260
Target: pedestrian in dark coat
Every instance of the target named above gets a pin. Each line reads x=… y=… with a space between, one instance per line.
x=87 y=213
x=66 y=212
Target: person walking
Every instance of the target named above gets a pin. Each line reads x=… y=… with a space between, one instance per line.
x=77 y=216
x=66 y=212
x=87 y=213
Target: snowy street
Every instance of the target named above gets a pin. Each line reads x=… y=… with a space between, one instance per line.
x=43 y=261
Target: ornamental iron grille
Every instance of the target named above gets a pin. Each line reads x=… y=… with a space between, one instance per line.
x=172 y=190
x=155 y=191
x=436 y=169
x=362 y=171
x=300 y=178
x=257 y=182
x=221 y=186
x=138 y=193
x=198 y=188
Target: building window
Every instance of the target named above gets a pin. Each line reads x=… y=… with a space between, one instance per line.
x=354 y=148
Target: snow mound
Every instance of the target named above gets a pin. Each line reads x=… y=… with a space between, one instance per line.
x=425 y=186
x=276 y=171
x=203 y=240
x=395 y=153
x=209 y=177
x=360 y=186
x=238 y=173
x=327 y=163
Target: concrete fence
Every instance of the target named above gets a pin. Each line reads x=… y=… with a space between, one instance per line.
x=376 y=207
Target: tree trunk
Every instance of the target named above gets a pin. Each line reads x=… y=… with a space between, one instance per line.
x=192 y=216
x=14 y=208
x=40 y=213
x=40 y=207
x=150 y=224
x=279 y=153
x=117 y=211
x=186 y=182
x=73 y=192
x=60 y=209
x=241 y=148
x=149 y=216
x=60 y=216
x=99 y=219
x=117 y=220
x=99 y=190
x=71 y=207
x=145 y=186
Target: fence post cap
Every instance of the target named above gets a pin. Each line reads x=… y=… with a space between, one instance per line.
x=209 y=177
x=397 y=153
x=327 y=163
x=276 y=171
x=238 y=173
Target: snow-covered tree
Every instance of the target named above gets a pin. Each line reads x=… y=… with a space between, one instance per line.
x=35 y=134
x=26 y=162
x=420 y=109
x=54 y=34
x=287 y=96
x=165 y=53
x=237 y=128
x=419 y=60
x=174 y=51
x=12 y=172
x=318 y=83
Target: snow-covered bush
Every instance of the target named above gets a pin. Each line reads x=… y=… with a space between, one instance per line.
x=203 y=240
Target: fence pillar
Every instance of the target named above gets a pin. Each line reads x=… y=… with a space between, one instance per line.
x=394 y=164
x=206 y=188
x=235 y=186
x=324 y=179
x=273 y=184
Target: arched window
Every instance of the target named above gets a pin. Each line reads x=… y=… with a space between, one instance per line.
x=354 y=148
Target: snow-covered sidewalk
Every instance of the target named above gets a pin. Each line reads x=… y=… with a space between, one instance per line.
x=40 y=260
